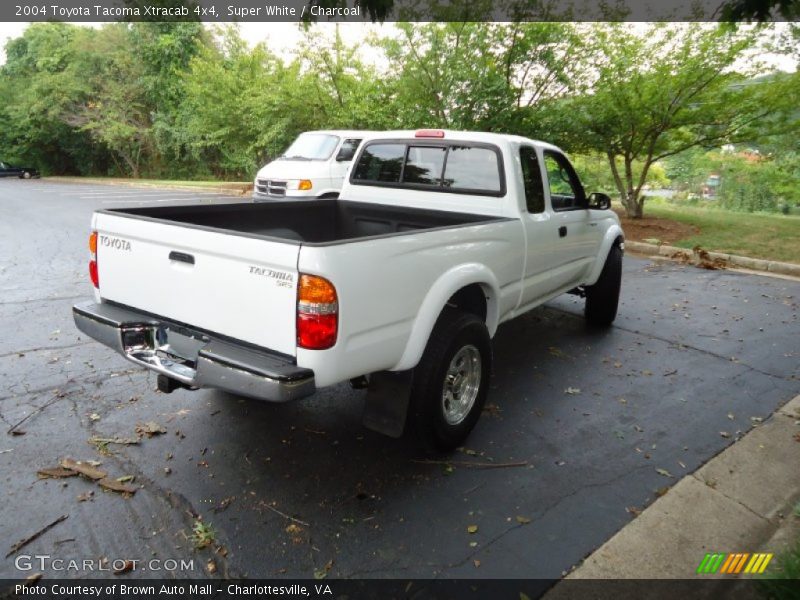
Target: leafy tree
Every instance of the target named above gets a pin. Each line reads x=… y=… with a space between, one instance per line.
x=664 y=92
x=486 y=76
x=35 y=85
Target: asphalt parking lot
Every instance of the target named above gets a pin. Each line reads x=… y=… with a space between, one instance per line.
x=582 y=430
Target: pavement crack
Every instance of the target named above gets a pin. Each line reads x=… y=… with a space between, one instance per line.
x=589 y=486
x=696 y=349
x=47 y=299
x=176 y=501
x=72 y=385
x=541 y=516
x=736 y=500
x=45 y=348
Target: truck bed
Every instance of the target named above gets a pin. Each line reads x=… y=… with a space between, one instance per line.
x=314 y=222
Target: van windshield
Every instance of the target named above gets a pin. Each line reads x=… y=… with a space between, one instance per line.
x=312 y=146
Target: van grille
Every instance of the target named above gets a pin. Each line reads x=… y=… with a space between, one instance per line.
x=271 y=187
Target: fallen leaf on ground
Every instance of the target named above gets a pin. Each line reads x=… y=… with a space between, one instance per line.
x=523 y=520
x=662 y=490
x=473 y=544
x=94 y=417
x=225 y=503
x=211 y=566
x=126 y=566
x=86 y=496
x=572 y=391
x=116 y=486
x=150 y=429
x=472 y=529
x=724 y=434
x=664 y=472
x=56 y=473
x=477 y=563
x=293 y=529
x=84 y=468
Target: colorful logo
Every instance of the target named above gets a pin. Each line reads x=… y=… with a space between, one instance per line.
x=734 y=563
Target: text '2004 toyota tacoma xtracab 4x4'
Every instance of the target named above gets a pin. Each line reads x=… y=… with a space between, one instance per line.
x=436 y=239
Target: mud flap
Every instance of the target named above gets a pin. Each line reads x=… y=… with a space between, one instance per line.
x=387 y=402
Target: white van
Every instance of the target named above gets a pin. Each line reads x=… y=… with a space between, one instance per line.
x=312 y=167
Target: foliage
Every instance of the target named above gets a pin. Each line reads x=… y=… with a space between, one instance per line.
x=750 y=180
x=780 y=582
x=664 y=92
x=181 y=100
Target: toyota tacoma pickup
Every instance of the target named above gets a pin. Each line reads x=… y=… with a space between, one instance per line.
x=398 y=285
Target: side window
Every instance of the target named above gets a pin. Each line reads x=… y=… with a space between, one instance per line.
x=424 y=165
x=380 y=162
x=471 y=168
x=348 y=150
x=566 y=192
x=532 y=179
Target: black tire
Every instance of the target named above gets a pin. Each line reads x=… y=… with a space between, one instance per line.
x=602 y=298
x=461 y=334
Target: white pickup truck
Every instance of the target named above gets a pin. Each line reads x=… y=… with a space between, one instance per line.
x=398 y=286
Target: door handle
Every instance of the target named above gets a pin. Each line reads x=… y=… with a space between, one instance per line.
x=181 y=257
x=562 y=231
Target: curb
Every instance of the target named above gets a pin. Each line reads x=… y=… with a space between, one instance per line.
x=716 y=260
x=737 y=502
x=234 y=189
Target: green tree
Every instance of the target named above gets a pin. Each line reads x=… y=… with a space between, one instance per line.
x=489 y=76
x=665 y=91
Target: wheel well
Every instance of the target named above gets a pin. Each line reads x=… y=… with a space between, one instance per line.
x=329 y=196
x=471 y=299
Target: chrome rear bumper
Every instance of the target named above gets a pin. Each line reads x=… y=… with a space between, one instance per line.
x=193 y=358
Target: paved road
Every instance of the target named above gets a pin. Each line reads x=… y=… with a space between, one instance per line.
x=693 y=353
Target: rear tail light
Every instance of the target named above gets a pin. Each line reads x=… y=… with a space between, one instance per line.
x=317 y=313
x=93 y=274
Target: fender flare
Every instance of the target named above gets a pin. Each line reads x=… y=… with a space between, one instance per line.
x=436 y=299
x=614 y=235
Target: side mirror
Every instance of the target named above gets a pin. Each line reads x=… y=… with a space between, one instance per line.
x=599 y=201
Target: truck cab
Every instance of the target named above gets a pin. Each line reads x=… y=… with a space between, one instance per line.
x=313 y=167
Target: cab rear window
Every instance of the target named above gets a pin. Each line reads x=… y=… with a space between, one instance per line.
x=443 y=167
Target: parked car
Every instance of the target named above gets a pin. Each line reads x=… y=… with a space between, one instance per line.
x=9 y=170
x=312 y=167
x=398 y=285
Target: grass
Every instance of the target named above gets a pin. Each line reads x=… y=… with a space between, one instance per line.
x=203 y=535
x=773 y=237
x=784 y=574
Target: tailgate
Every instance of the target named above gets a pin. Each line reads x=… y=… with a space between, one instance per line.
x=234 y=285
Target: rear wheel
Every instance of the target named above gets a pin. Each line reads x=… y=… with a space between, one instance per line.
x=602 y=298
x=451 y=380
x=26 y=175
